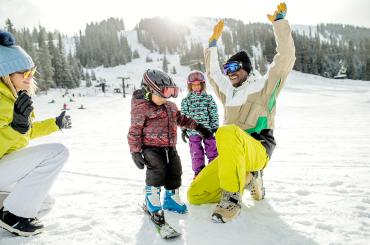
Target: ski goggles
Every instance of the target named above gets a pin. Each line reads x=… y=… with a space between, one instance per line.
x=27 y=73
x=232 y=67
x=167 y=92
x=196 y=76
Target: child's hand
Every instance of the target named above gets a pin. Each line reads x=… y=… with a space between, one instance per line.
x=184 y=134
x=138 y=159
x=204 y=132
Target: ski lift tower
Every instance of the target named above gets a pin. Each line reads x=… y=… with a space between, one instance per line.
x=123 y=84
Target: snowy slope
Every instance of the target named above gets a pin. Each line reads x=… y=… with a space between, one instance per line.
x=317 y=188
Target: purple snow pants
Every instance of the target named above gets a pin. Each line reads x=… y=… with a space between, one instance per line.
x=197 y=151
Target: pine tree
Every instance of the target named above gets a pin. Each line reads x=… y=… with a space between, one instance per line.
x=174 y=70
x=66 y=78
x=135 y=55
x=255 y=63
x=165 y=64
x=10 y=28
x=262 y=65
x=93 y=77
x=45 y=69
x=83 y=77
x=88 y=80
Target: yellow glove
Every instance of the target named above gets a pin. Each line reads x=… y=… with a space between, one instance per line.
x=280 y=13
x=217 y=30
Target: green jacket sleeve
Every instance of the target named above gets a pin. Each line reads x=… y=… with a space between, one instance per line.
x=43 y=128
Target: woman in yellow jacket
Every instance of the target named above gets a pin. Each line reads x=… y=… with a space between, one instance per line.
x=27 y=173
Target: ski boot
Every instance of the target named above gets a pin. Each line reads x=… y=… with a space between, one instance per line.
x=253 y=182
x=18 y=225
x=228 y=208
x=173 y=202
x=153 y=204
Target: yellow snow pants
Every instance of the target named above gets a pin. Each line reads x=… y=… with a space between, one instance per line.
x=238 y=153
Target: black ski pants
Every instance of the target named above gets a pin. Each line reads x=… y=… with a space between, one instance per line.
x=163 y=167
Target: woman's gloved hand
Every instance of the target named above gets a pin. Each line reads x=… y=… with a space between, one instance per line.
x=63 y=121
x=21 y=113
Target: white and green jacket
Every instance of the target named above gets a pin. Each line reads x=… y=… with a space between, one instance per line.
x=252 y=106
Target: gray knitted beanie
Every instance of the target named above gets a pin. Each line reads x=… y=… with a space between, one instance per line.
x=12 y=58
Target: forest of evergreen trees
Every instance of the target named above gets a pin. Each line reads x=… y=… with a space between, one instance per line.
x=56 y=68
x=102 y=44
x=338 y=45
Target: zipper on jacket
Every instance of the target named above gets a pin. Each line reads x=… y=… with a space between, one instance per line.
x=166 y=149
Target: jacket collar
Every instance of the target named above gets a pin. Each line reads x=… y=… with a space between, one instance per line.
x=251 y=79
x=203 y=93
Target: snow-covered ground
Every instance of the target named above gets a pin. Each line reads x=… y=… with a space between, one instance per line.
x=317 y=188
x=317 y=182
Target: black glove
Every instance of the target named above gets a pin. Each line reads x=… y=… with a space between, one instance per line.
x=214 y=131
x=63 y=121
x=21 y=113
x=204 y=132
x=138 y=159
x=184 y=134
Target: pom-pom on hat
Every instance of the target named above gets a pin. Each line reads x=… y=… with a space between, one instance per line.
x=243 y=57
x=12 y=58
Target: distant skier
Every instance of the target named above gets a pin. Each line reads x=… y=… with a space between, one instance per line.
x=26 y=173
x=152 y=139
x=246 y=144
x=64 y=106
x=200 y=106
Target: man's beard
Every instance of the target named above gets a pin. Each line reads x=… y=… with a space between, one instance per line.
x=240 y=83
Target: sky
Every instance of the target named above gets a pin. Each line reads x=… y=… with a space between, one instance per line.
x=70 y=16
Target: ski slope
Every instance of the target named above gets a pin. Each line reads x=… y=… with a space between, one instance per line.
x=317 y=188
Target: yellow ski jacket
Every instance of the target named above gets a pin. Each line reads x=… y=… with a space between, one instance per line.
x=11 y=140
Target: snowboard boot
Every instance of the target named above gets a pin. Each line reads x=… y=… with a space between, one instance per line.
x=253 y=182
x=18 y=225
x=153 y=204
x=173 y=202
x=228 y=208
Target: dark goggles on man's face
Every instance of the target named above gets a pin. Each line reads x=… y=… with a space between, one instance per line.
x=27 y=72
x=196 y=76
x=167 y=92
x=232 y=67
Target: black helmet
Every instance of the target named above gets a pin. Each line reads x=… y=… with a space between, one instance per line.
x=159 y=83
